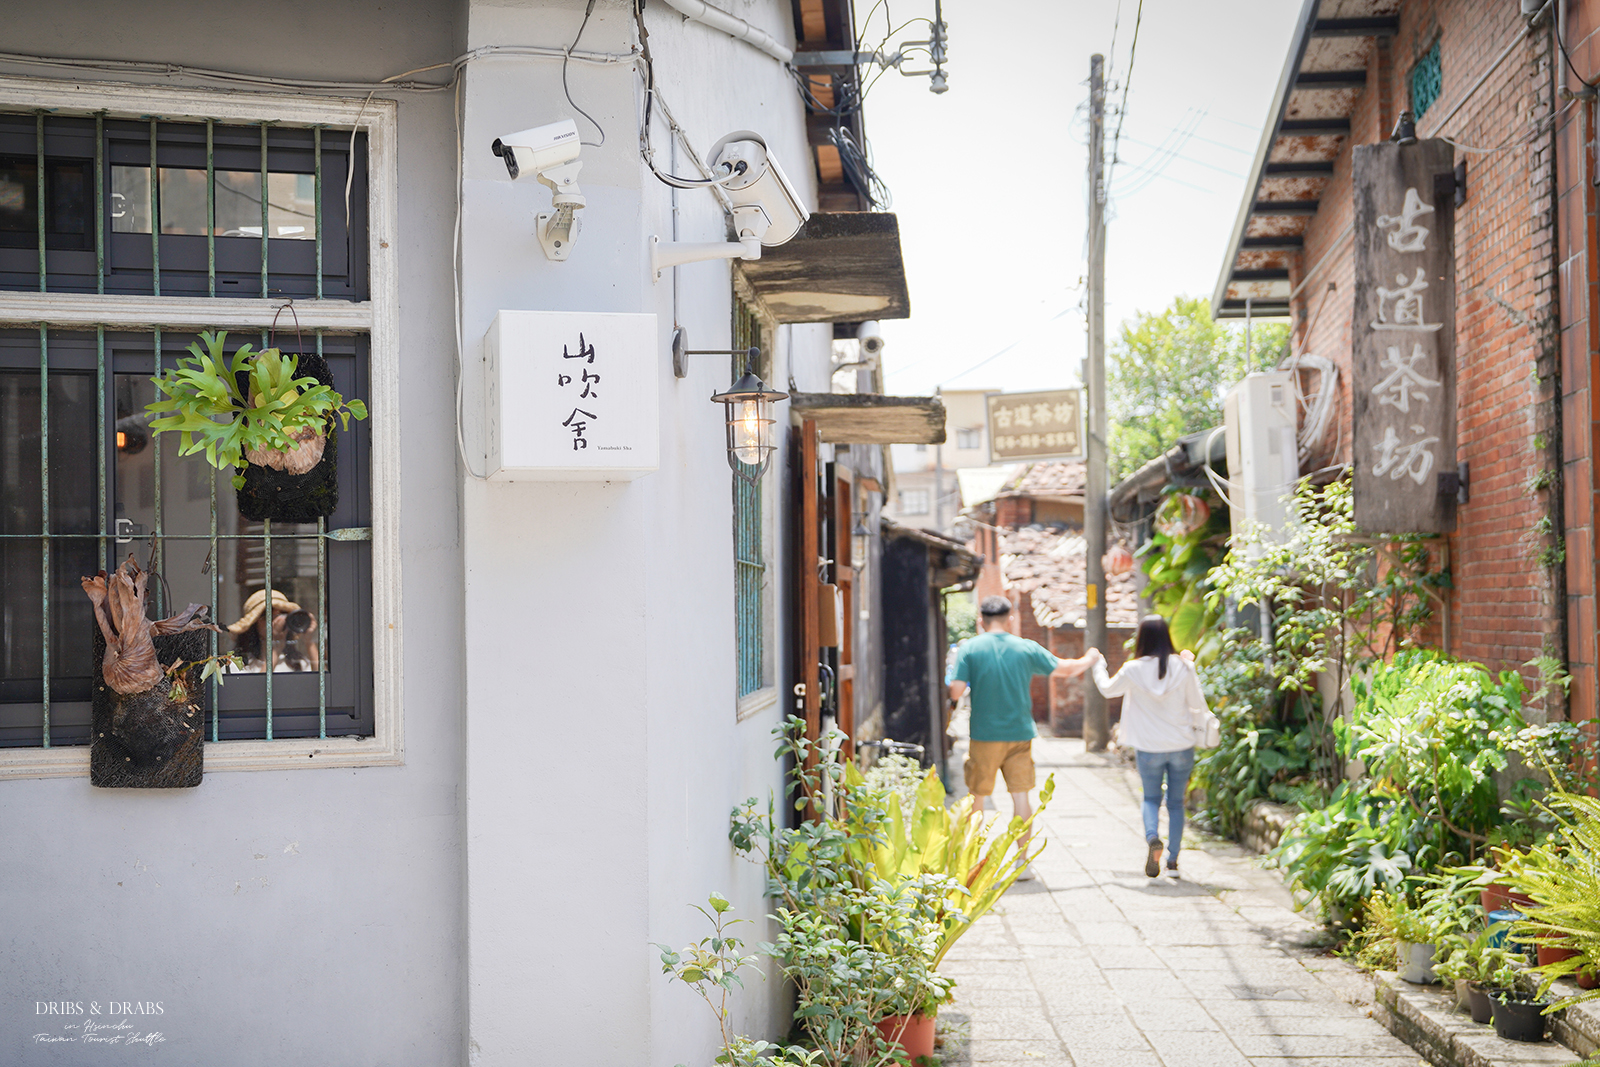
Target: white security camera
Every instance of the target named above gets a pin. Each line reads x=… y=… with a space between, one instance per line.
x=550 y=153
x=538 y=149
x=766 y=209
x=871 y=338
x=758 y=183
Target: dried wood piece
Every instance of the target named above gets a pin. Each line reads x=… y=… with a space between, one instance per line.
x=130 y=664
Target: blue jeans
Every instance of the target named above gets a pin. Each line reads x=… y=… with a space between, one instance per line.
x=1175 y=766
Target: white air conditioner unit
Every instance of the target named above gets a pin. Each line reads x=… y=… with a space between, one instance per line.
x=1263 y=461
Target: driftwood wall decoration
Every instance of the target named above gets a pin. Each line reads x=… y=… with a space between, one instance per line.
x=148 y=723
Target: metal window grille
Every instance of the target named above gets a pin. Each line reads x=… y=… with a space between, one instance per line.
x=1427 y=79
x=98 y=205
x=750 y=568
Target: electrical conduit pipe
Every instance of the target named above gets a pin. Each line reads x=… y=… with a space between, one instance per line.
x=732 y=25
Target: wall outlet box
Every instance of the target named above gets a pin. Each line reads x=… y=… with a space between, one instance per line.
x=572 y=396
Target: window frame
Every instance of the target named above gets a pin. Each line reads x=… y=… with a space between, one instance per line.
x=747 y=305
x=377 y=317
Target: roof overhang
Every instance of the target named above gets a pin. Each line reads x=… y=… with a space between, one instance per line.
x=1307 y=127
x=841 y=267
x=871 y=419
x=950 y=561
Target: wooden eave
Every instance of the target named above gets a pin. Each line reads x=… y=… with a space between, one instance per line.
x=842 y=267
x=871 y=419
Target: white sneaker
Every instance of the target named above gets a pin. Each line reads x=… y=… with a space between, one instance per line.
x=1026 y=874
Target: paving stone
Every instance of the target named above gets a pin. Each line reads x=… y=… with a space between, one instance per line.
x=1007 y=1051
x=1197 y=1050
x=1081 y=1032
x=1012 y=1023
x=1333 y=1059
x=1155 y=1015
x=1126 y=957
x=1304 y=1045
x=1115 y=1058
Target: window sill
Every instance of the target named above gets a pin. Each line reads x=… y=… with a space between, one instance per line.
x=757 y=702
x=296 y=754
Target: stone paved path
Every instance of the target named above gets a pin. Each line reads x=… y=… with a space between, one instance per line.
x=1095 y=965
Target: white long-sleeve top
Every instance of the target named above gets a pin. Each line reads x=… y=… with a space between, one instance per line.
x=1157 y=712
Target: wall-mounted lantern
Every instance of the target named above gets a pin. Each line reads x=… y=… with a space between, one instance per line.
x=860 y=544
x=749 y=406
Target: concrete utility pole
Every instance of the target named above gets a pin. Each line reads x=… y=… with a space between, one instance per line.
x=1096 y=730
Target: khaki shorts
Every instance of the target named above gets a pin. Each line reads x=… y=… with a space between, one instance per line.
x=1014 y=759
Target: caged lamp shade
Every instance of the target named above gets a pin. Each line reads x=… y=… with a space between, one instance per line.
x=748 y=402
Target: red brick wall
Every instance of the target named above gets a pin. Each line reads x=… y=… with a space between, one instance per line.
x=1506 y=606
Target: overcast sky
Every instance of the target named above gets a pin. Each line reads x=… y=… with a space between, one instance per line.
x=988 y=179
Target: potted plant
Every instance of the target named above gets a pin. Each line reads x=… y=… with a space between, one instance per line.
x=1477 y=966
x=1519 y=1016
x=268 y=415
x=147 y=723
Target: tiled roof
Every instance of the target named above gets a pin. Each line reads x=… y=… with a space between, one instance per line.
x=1050 y=562
x=1050 y=479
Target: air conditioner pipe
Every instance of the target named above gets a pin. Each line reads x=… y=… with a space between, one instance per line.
x=732 y=25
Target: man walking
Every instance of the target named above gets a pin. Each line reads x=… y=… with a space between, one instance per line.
x=999 y=666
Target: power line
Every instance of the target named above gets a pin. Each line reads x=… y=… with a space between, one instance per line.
x=1127 y=82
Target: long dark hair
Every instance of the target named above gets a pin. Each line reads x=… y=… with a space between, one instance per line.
x=1154 y=640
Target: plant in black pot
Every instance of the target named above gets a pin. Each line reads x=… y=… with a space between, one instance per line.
x=268 y=415
x=1477 y=964
x=1519 y=1016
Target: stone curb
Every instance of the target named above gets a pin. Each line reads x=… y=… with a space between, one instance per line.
x=1425 y=1018
x=1264 y=825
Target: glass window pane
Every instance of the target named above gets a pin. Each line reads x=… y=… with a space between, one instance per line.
x=19 y=188
x=291 y=206
x=238 y=203
x=130 y=199
x=183 y=200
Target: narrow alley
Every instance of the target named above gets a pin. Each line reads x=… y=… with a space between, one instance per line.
x=1095 y=965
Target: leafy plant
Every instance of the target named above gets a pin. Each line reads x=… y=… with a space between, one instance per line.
x=1179 y=566
x=1562 y=875
x=1476 y=958
x=711 y=968
x=204 y=402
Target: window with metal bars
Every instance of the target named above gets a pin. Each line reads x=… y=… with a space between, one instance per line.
x=190 y=223
x=1427 y=80
x=99 y=205
x=749 y=555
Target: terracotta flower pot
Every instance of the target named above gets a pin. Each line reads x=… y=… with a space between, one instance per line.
x=1554 y=951
x=1588 y=979
x=1495 y=897
x=1518 y=901
x=913 y=1033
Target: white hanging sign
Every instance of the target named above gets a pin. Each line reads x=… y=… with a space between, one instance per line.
x=572 y=396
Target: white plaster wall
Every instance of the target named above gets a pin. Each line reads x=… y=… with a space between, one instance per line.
x=593 y=840
x=296 y=916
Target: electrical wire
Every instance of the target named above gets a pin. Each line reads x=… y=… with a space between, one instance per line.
x=1515 y=140
x=393 y=83
x=1127 y=83
x=565 y=60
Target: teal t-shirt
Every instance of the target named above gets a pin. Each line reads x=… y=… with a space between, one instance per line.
x=999 y=668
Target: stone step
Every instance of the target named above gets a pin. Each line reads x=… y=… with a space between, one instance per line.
x=1426 y=1018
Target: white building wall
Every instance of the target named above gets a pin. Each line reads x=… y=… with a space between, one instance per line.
x=603 y=751
x=305 y=916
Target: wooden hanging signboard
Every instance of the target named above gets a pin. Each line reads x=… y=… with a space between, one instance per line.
x=1403 y=338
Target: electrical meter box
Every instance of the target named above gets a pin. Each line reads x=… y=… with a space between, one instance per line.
x=572 y=396
x=1263 y=452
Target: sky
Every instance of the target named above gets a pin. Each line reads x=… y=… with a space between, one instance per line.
x=988 y=180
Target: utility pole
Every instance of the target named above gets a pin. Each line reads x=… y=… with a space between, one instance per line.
x=1096 y=730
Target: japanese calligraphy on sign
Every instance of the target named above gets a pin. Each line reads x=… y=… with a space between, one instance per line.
x=571 y=396
x=1035 y=426
x=1403 y=338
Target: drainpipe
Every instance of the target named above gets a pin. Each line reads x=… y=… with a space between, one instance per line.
x=732 y=25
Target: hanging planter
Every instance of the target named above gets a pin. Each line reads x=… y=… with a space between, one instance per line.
x=1118 y=560
x=269 y=416
x=1181 y=514
x=147 y=720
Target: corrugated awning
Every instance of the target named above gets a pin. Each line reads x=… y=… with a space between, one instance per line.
x=841 y=267
x=870 y=419
x=1323 y=78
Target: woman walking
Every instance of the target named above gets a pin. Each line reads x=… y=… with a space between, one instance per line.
x=1161 y=694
